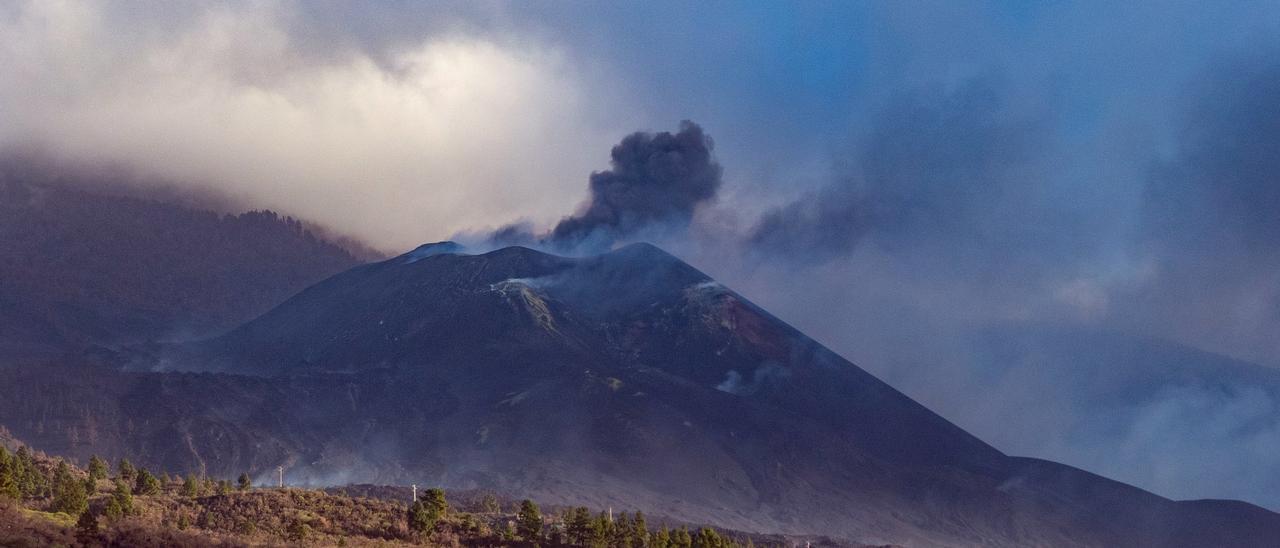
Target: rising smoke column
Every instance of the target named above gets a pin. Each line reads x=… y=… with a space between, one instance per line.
x=654 y=179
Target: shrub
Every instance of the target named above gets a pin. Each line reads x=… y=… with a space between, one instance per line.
x=298 y=530
x=113 y=511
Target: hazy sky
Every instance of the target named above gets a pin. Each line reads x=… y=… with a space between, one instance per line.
x=891 y=177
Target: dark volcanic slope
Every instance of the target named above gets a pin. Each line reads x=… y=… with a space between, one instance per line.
x=628 y=380
x=503 y=320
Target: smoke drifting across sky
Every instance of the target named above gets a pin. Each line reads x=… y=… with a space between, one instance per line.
x=899 y=180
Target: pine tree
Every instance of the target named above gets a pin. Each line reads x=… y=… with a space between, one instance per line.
x=31 y=482
x=529 y=521
x=123 y=497
x=190 y=488
x=97 y=471
x=663 y=538
x=68 y=495
x=427 y=511
x=622 y=531
x=601 y=530
x=126 y=471
x=640 y=531
x=708 y=538
x=681 y=538
x=224 y=487
x=244 y=483
x=579 y=527
x=97 y=468
x=8 y=475
x=435 y=501
x=146 y=483
x=421 y=519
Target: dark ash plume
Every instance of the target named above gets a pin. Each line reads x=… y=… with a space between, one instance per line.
x=827 y=224
x=655 y=179
x=935 y=167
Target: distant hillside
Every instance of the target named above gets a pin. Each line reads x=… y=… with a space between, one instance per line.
x=80 y=267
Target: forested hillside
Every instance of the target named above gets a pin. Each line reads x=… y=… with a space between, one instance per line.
x=82 y=267
x=47 y=501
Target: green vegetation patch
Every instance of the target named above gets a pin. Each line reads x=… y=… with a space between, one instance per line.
x=57 y=518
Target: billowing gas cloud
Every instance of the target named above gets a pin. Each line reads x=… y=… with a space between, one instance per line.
x=653 y=178
x=656 y=181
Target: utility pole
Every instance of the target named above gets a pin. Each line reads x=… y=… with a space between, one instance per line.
x=280 y=471
x=415 y=492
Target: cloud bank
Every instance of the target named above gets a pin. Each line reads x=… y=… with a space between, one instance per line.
x=394 y=143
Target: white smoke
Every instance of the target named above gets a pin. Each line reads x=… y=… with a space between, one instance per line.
x=734 y=383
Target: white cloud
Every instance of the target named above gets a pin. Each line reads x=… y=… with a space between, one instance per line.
x=397 y=147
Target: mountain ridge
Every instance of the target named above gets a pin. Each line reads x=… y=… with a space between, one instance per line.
x=664 y=327
x=628 y=379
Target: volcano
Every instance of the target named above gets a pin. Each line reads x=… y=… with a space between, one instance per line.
x=628 y=380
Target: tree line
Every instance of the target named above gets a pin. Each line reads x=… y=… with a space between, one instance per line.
x=574 y=527
x=24 y=477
